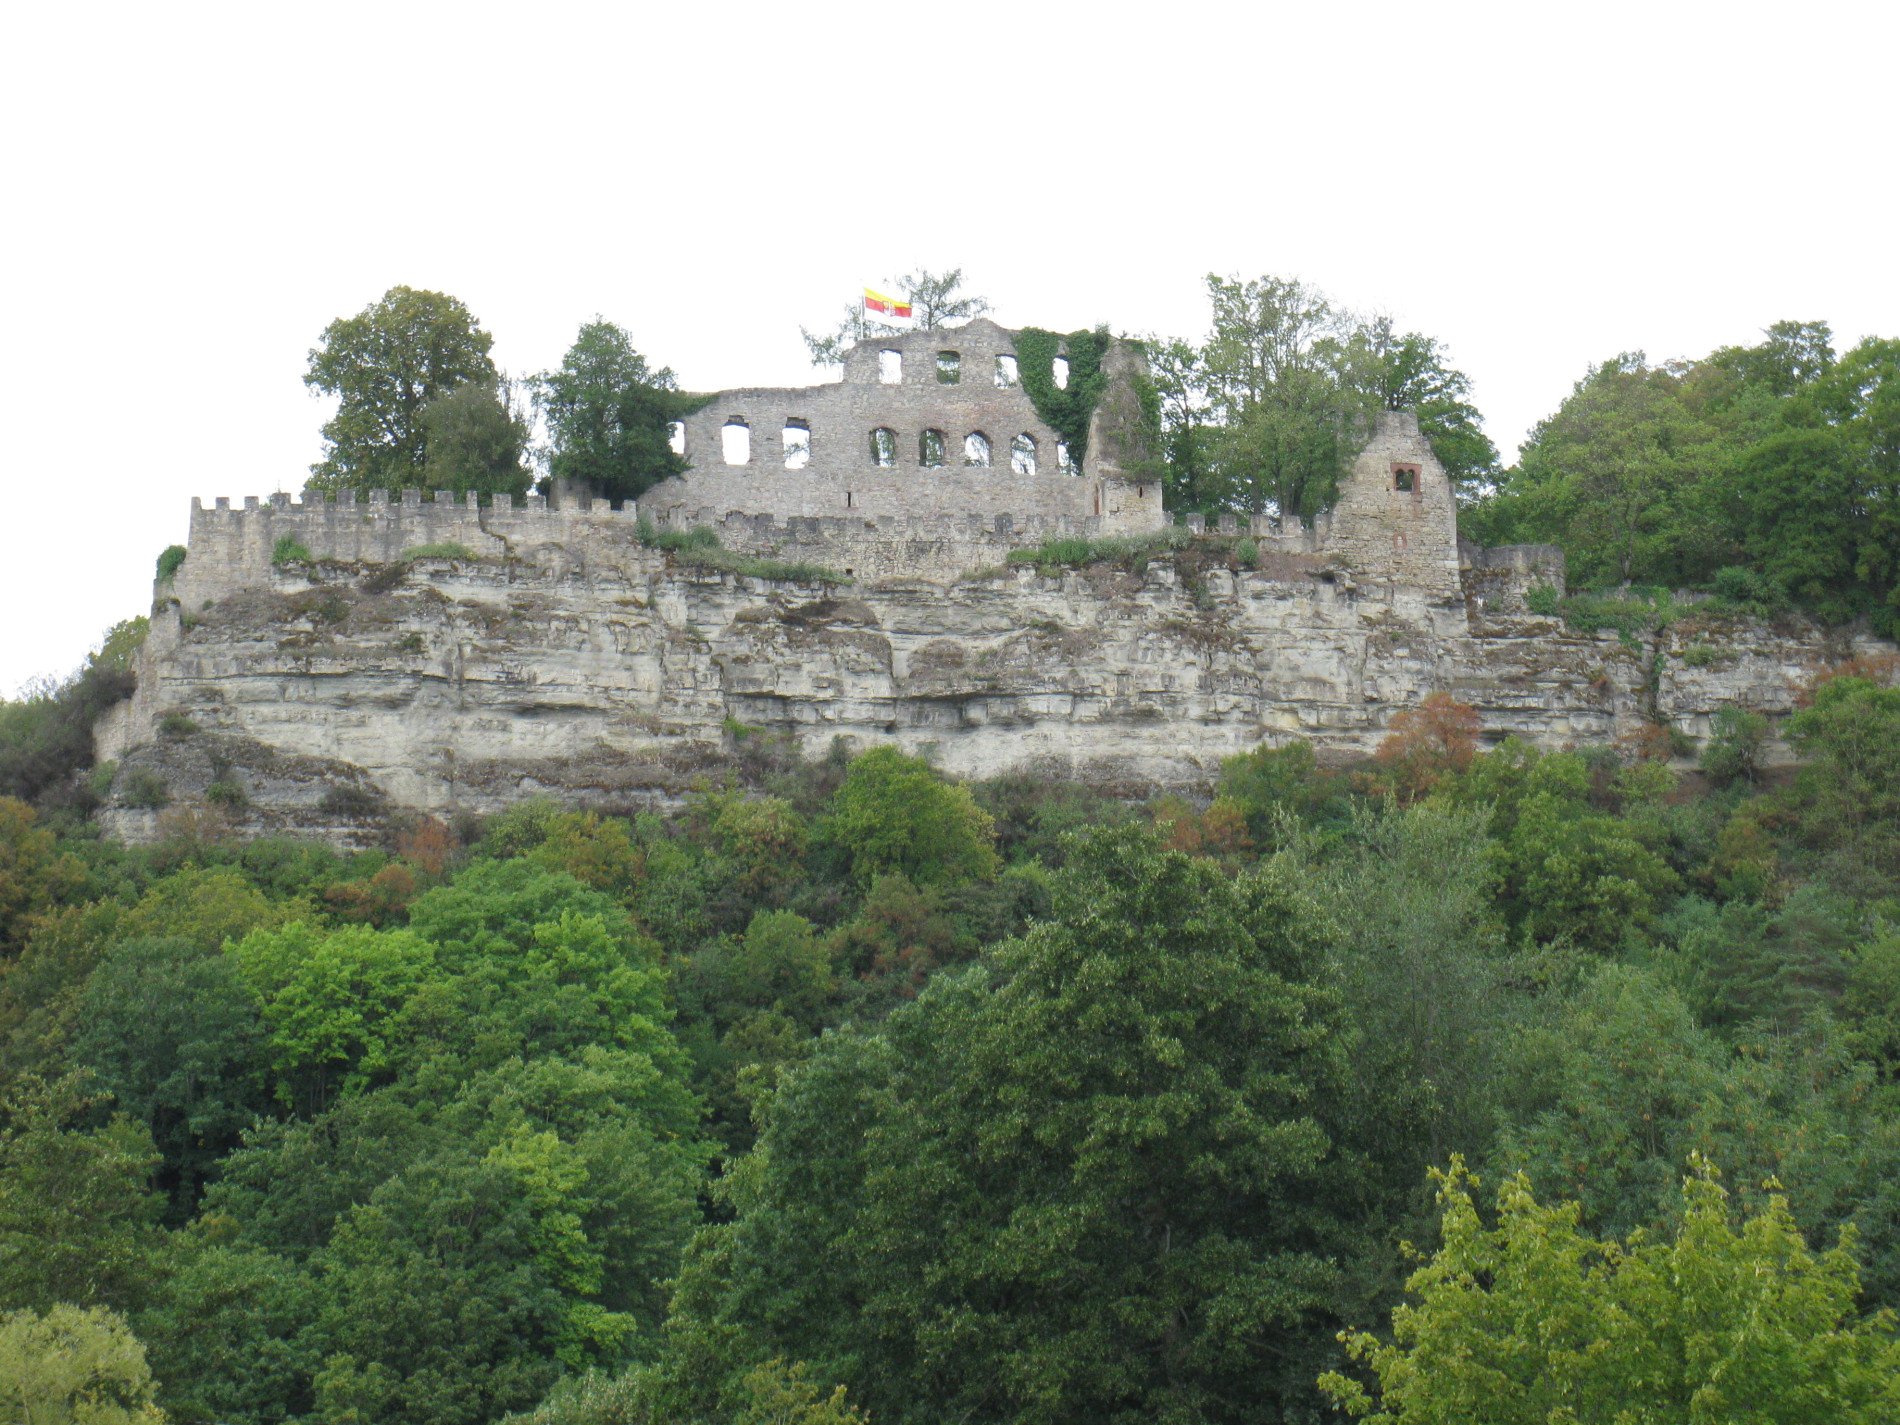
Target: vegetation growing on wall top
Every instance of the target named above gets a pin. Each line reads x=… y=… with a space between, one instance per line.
x=1065 y=411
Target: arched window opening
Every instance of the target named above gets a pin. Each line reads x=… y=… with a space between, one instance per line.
x=1061 y=373
x=1022 y=454
x=1065 y=462
x=930 y=448
x=797 y=442
x=1405 y=479
x=676 y=437
x=976 y=448
x=884 y=447
x=1006 y=376
x=949 y=368
x=735 y=442
x=890 y=367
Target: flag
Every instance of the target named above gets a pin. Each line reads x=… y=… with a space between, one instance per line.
x=886 y=309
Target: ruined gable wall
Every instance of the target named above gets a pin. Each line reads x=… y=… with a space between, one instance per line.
x=1390 y=535
x=841 y=477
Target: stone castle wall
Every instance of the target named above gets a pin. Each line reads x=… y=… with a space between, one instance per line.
x=1394 y=534
x=230 y=548
x=810 y=450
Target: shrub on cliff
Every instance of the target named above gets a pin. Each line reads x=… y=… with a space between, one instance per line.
x=46 y=735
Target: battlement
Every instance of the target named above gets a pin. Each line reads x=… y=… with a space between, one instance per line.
x=232 y=546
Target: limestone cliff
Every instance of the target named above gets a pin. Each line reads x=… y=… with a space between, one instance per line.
x=321 y=697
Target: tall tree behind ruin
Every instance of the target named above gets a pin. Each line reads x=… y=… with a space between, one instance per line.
x=1265 y=414
x=384 y=365
x=608 y=415
x=1272 y=367
x=935 y=298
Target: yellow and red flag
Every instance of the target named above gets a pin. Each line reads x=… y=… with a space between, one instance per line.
x=891 y=309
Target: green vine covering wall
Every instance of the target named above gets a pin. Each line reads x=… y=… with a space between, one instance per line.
x=1066 y=412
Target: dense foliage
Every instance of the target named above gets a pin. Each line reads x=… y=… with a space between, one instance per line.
x=608 y=415
x=386 y=366
x=1267 y=412
x=1770 y=473
x=1002 y=1101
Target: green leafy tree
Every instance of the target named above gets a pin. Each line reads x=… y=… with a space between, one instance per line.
x=333 y=1004
x=1188 y=431
x=1851 y=785
x=1061 y=1184
x=1400 y=372
x=385 y=365
x=76 y=1216
x=1272 y=372
x=476 y=440
x=1534 y=1320
x=174 y=1036
x=894 y=813
x=936 y=298
x=608 y=415
x=73 y=1366
x=35 y=873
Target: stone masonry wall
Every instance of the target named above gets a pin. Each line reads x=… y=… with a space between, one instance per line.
x=1398 y=536
x=837 y=474
x=230 y=549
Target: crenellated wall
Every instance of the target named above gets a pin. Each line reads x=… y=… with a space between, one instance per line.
x=231 y=548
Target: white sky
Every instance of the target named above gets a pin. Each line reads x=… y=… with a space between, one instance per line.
x=192 y=192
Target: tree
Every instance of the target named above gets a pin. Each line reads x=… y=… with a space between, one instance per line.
x=385 y=365
x=173 y=1035
x=475 y=441
x=1851 y=785
x=936 y=299
x=1187 y=430
x=35 y=874
x=1272 y=372
x=1534 y=1321
x=1085 y=1179
x=73 y=1366
x=894 y=813
x=1408 y=372
x=333 y=1004
x=609 y=414
x=1435 y=740
x=76 y=1219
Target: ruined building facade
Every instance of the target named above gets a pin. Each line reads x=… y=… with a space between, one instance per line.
x=438 y=656
x=923 y=426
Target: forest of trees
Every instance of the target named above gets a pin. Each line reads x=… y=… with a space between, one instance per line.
x=1459 y=1085
x=995 y=1101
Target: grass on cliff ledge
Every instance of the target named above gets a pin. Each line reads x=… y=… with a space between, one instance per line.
x=699 y=547
x=1131 y=552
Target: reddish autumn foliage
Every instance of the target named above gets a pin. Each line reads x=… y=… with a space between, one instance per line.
x=1435 y=740
x=427 y=844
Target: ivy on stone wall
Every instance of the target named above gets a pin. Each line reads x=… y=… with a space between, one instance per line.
x=1066 y=412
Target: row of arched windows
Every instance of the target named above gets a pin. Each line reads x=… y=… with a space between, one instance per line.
x=933 y=448
x=890 y=369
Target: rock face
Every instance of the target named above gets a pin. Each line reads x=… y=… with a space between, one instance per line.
x=321 y=697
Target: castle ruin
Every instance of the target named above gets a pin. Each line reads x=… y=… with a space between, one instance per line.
x=434 y=654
